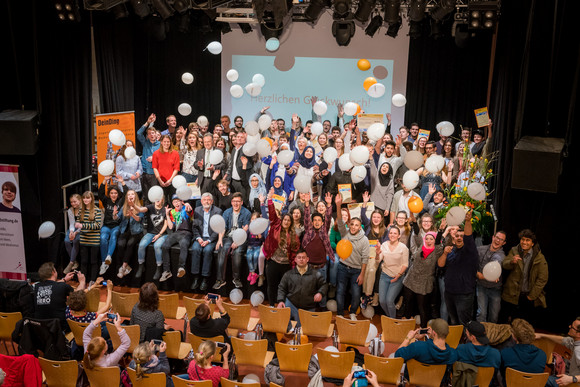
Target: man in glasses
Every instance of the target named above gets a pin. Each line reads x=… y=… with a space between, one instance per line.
x=572 y=342
x=489 y=293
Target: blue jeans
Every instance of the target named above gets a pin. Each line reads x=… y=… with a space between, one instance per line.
x=72 y=247
x=189 y=177
x=347 y=278
x=252 y=257
x=488 y=301
x=460 y=308
x=146 y=241
x=388 y=292
x=108 y=241
x=236 y=256
x=332 y=269
x=443 y=308
x=294 y=315
x=196 y=254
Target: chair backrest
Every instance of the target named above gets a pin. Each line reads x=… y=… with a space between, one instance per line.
x=316 y=323
x=7 y=323
x=484 y=376
x=148 y=380
x=78 y=328
x=93 y=299
x=395 y=330
x=104 y=376
x=195 y=341
x=524 y=379
x=250 y=352
x=168 y=304
x=272 y=384
x=388 y=370
x=547 y=346
x=454 y=336
x=352 y=332
x=335 y=364
x=133 y=331
x=230 y=383
x=59 y=373
x=274 y=319
x=175 y=348
x=294 y=358
x=239 y=315
x=428 y=375
x=191 y=305
x=123 y=303
x=178 y=382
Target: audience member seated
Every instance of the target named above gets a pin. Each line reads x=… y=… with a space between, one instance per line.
x=146 y=362
x=201 y=368
x=371 y=379
x=77 y=301
x=146 y=313
x=203 y=325
x=572 y=342
x=434 y=350
x=524 y=356
x=96 y=348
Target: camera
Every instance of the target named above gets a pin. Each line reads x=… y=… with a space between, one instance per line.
x=111 y=316
x=212 y=297
x=157 y=343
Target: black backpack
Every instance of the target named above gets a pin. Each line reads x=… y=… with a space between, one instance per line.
x=16 y=296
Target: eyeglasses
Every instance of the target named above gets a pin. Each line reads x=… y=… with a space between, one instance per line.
x=576 y=329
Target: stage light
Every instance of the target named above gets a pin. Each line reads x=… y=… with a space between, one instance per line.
x=314 y=9
x=224 y=27
x=164 y=9
x=415 y=29
x=182 y=6
x=245 y=27
x=364 y=10
x=343 y=31
x=341 y=8
x=67 y=10
x=157 y=28
x=141 y=8
x=482 y=14
x=183 y=22
x=374 y=25
x=444 y=8
x=120 y=11
x=460 y=32
x=436 y=29
x=392 y=11
x=417 y=10
x=269 y=30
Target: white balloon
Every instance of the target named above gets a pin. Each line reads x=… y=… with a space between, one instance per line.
x=130 y=152
x=253 y=89
x=376 y=131
x=413 y=160
x=344 y=162
x=253 y=139
x=440 y=161
x=250 y=335
x=399 y=100
x=216 y=156
x=350 y=108
x=303 y=184
x=358 y=174
x=259 y=80
x=215 y=48
x=317 y=128
x=432 y=165
x=202 y=121
x=236 y=295
x=331 y=348
x=285 y=157
x=320 y=108
x=232 y=75
x=155 y=193
x=368 y=312
x=410 y=179
x=237 y=91
x=492 y=271
x=330 y=154
x=455 y=216
x=476 y=191
x=249 y=149
x=331 y=305
x=251 y=378
x=359 y=155
x=187 y=78
x=183 y=192
x=263 y=147
x=178 y=181
x=377 y=90
x=257 y=298
x=259 y=225
x=373 y=332
x=46 y=230
x=445 y=128
x=117 y=137
x=252 y=128
x=217 y=223
x=264 y=121
x=272 y=44
x=184 y=109
x=239 y=236
x=106 y=167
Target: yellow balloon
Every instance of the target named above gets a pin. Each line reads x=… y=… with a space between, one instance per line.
x=363 y=65
x=369 y=82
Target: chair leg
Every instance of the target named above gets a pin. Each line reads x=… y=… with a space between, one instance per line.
x=6 y=348
x=14 y=349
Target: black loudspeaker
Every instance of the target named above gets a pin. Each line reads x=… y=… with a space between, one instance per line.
x=537 y=164
x=19 y=132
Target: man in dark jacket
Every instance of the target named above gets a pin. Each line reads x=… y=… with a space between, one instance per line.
x=301 y=287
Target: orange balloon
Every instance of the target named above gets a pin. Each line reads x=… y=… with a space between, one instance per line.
x=369 y=82
x=358 y=109
x=344 y=249
x=363 y=64
x=415 y=204
x=303 y=339
x=269 y=140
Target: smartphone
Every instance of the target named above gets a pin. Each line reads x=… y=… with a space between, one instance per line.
x=360 y=374
x=212 y=297
x=220 y=344
x=104 y=283
x=111 y=316
x=423 y=331
x=157 y=341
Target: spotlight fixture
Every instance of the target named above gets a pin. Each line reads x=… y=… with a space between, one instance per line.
x=341 y=8
x=183 y=22
x=343 y=31
x=394 y=28
x=67 y=10
x=120 y=11
x=157 y=28
x=364 y=10
x=164 y=9
x=374 y=25
x=415 y=29
x=314 y=9
x=182 y=6
x=269 y=30
x=460 y=32
x=444 y=8
x=392 y=11
x=141 y=8
x=224 y=27
x=417 y=10
x=436 y=29
x=245 y=27
x=482 y=14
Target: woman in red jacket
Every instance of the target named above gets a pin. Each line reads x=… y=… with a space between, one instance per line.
x=280 y=248
x=166 y=166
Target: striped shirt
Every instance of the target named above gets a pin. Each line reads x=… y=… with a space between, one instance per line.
x=91 y=229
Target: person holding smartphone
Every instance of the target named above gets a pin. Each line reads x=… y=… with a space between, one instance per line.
x=203 y=325
x=353 y=379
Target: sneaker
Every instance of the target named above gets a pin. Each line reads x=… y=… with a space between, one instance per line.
x=140 y=270
x=261 y=279
x=108 y=260
x=127 y=270
x=363 y=302
x=249 y=276
x=75 y=265
x=204 y=285
x=353 y=317
x=68 y=268
x=165 y=276
x=253 y=278
x=104 y=268
x=195 y=283
x=375 y=301
x=237 y=283
x=218 y=284
x=331 y=291
x=157 y=274
x=121 y=272
x=180 y=272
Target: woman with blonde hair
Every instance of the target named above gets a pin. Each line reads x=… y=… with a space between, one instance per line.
x=188 y=169
x=201 y=368
x=146 y=362
x=89 y=224
x=131 y=229
x=96 y=348
x=71 y=239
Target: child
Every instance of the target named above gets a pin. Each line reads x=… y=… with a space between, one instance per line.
x=255 y=243
x=96 y=348
x=71 y=239
x=89 y=224
x=201 y=368
x=145 y=362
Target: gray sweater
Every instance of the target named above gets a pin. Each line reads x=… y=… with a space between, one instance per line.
x=360 y=246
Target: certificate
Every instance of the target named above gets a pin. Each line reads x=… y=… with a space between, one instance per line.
x=482 y=117
x=278 y=201
x=365 y=120
x=355 y=209
x=345 y=190
x=424 y=133
x=373 y=248
x=195 y=191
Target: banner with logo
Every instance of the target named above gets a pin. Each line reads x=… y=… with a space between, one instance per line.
x=12 y=258
x=104 y=123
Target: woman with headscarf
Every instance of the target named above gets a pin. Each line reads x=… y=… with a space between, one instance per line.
x=305 y=165
x=257 y=188
x=382 y=184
